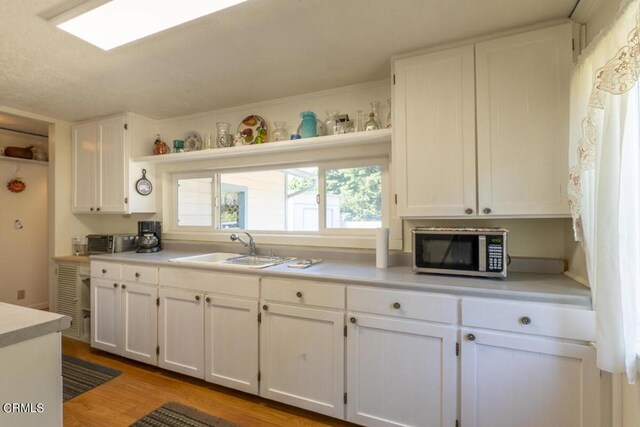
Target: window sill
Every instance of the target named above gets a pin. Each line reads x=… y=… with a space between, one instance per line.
x=335 y=240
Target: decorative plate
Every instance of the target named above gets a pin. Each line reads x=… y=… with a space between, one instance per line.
x=192 y=141
x=253 y=129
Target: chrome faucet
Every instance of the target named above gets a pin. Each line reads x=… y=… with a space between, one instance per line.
x=251 y=245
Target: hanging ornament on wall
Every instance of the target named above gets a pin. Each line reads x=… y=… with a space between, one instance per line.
x=16 y=185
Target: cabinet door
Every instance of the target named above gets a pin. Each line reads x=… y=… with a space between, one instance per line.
x=67 y=296
x=401 y=372
x=511 y=380
x=434 y=134
x=523 y=122
x=181 y=335
x=112 y=175
x=139 y=322
x=85 y=146
x=105 y=315
x=231 y=343
x=302 y=358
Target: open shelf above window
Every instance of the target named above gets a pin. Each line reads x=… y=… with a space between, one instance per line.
x=19 y=160
x=343 y=140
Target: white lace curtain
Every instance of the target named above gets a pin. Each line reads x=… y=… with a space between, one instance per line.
x=604 y=184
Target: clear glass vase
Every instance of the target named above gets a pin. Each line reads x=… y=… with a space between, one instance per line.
x=280 y=133
x=374 y=122
x=388 y=125
x=331 y=121
x=224 y=138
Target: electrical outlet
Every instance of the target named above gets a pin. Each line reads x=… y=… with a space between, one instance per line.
x=21 y=294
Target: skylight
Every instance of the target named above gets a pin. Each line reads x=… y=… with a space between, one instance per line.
x=119 y=22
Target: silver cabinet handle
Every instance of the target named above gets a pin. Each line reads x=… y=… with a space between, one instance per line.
x=486 y=211
x=471 y=337
x=468 y=211
x=525 y=320
x=353 y=320
x=396 y=305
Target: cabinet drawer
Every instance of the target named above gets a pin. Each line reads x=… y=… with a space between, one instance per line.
x=407 y=304
x=301 y=292
x=106 y=270
x=140 y=274
x=530 y=318
x=204 y=281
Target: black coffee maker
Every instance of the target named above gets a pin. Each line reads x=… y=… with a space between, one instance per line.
x=149 y=238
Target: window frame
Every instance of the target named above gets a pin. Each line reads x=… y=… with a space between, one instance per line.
x=174 y=230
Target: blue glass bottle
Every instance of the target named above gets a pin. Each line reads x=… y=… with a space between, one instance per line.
x=308 y=127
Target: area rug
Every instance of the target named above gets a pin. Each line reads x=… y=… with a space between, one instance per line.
x=80 y=376
x=174 y=414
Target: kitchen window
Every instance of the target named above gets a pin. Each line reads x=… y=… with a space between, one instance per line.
x=310 y=199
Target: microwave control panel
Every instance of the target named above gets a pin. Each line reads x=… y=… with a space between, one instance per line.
x=495 y=253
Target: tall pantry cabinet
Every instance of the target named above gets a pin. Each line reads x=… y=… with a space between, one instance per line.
x=490 y=117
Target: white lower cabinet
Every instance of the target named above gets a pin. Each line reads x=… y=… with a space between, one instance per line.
x=302 y=357
x=181 y=331
x=516 y=380
x=124 y=319
x=400 y=372
x=231 y=342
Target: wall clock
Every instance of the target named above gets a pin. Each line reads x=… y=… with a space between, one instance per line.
x=143 y=185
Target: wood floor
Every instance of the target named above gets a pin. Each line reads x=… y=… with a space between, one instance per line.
x=142 y=388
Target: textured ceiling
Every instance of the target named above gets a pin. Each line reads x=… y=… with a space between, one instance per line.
x=258 y=50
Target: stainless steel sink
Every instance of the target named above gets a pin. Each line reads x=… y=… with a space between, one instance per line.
x=206 y=258
x=256 y=261
x=229 y=259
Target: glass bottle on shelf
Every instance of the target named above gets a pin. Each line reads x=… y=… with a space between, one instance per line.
x=373 y=123
x=280 y=133
x=331 y=121
x=359 y=121
x=388 y=126
x=160 y=147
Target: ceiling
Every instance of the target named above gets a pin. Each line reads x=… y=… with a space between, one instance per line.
x=258 y=50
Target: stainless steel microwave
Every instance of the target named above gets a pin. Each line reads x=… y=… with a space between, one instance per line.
x=110 y=243
x=464 y=251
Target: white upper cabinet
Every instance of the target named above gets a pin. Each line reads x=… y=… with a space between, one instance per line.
x=522 y=85
x=517 y=91
x=104 y=176
x=434 y=134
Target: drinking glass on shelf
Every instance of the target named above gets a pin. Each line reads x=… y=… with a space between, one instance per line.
x=359 y=121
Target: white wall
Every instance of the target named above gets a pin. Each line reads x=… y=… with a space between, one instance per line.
x=24 y=252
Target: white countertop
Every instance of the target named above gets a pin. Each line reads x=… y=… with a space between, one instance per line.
x=555 y=288
x=19 y=324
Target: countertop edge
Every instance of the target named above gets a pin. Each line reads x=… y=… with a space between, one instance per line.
x=35 y=331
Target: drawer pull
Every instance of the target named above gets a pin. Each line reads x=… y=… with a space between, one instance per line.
x=197 y=297
x=208 y=299
x=115 y=285
x=468 y=211
x=396 y=305
x=124 y=286
x=486 y=211
x=299 y=294
x=137 y=275
x=104 y=271
x=471 y=337
x=265 y=307
x=525 y=320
